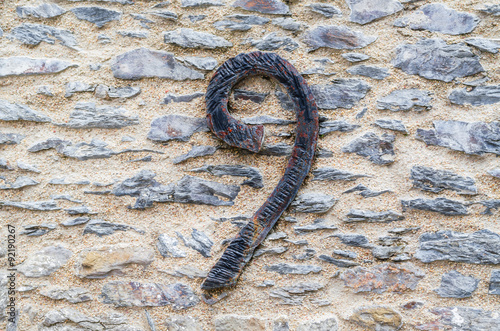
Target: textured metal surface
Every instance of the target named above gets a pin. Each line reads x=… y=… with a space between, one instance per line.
x=226 y=271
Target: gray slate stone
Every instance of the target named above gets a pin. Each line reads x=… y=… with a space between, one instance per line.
x=265 y=119
x=4 y=164
x=317 y=225
x=189 y=38
x=254 y=176
x=478 y=96
x=87 y=115
x=32 y=205
x=426 y=57
x=355 y=57
x=77 y=87
x=406 y=99
x=272 y=42
x=27 y=167
x=19 y=112
x=366 y=11
x=491 y=9
x=288 y=23
x=456 y=285
x=142 y=63
x=356 y=240
x=83 y=151
x=165 y=14
x=76 y=221
x=439 y=205
x=372 y=147
x=11 y=138
x=102 y=91
x=199 y=241
x=463 y=318
x=485 y=45
x=182 y=323
x=72 y=295
x=170 y=97
x=168 y=246
x=317 y=203
x=45 y=90
x=45 y=10
x=20 y=182
x=264 y=7
x=104 y=228
x=494 y=287
x=328 y=173
x=38 y=230
x=324 y=323
x=270 y=251
x=341 y=263
x=279 y=149
x=435 y=181
x=240 y=22
x=369 y=71
x=25 y=66
x=200 y=3
x=494 y=172
x=293 y=269
x=134 y=34
x=437 y=17
x=391 y=124
x=365 y=192
x=34 y=34
x=337 y=125
x=96 y=15
x=341 y=93
x=203 y=63
x=336 y=37
x=474 y=138
x=45 y=261
x=324 y=9
x=256 y=97
x=480 y=247
x=196 y=151
x=294 y=294
x=176 y=127
x=359 y=215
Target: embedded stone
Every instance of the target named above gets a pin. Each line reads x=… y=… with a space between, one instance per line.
x=456 y=285
x=406 y=99
x=288 y=23
x=462 y=318
x=168 y=246
x=134 y=34
x=324 y=323
x=27 y=167
x=341 y=263
x=104 y=228
x=494 y=286
x=88 y=115
x=355 y=57
x=170 y=97
x=372 y=147
x=330 y=174
x=25 y=66
x=279 y=149
x=369 y=71
x=181 y=323
x=203 y=63
x=345 y=254
x=96 y=15
x=76 y=221
x=201 y=3
x=45 y=90
x=317 y=225
x=478 y=96
x=391 y=124
x=72 y=295
x=485 y=45
x=19 y=112
x=189 y=38
x=377 y=318
x=196 y=151
x=293 y=269
x=359 y=215
x=439 y=205
x=34 y=34
x=76 y=87
x=337 y=125
x=435 y=181
x=199 y=241
x=383 y=277
x=426 y=57
x=11 y=138
x=32 y=205
x=365 y=192
x=239 y=322
x=326 y=10
x=254 y=176
x=317 y=203
x=165 y=14
x=83 y=151
x=256 y=97
x=45 y=10
x=272 y=42
x=437 y=17
x=38 y=230
x=336 y=37
x=491 y=9
x=45 y=261
x=270 y=251
x=48 y=144
x=176 y=127
x=142 y=63
x=366 y=11
x=263 y=6
x=20 y=182
x=240 y=22
x=294 y=294
x=356 y=240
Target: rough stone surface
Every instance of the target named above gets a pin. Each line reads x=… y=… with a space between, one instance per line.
x=325 y=9
x=176 y=127
x=437 y=17
x=480 y=95
x=406 y=99
x=264 y=6
x=342 y=93
x=72 y=295
x=45 y=262
x=456 y=285
x=372 y=147
x=272 y=42
x=170 y=97
x=48 y=205
x=328 y=173
x=19 y=112
x=239 y=322
x=359 y=215
x=88 y=115
x=439 y=205
x=365 y=192
x=391 y=124
x=356 y=240
x=34 y=34
x=20 y=182
x=96 y=15
x=494 y=286
x=435 y=181
x=336 y=37
x=462 y=318
x=293 y=269
x=474 y=138
x=25 y=66
x=377 y=318
x=337 y=125
x=325 y=323
x=254 y=176
x=317 y=225
x=189 y=38
x=427 y=56
x=196 y=151
x=317 y=203
x=366 y=11
x=168 y=246
x=104 y=228
x=199 y=241
x=45 y=10
x=485 y=45
x=369 y=71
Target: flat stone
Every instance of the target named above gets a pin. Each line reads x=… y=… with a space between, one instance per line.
x=341 y=263
x=293 y=269
x=462 y=318
x=439 y=205
x=34 y=34
x=101 y=262
x=491 y=9
x=288 y=23
x=386 y=252
x=143 y=63
x=72 y=295
x=256 y=97
x=473 y=138
x=254 y=176
x=330 y=174
x=365 y=192
x=485 y=45
x=272 y=42
x=4 y=164
x=45 y=261
x=48 y=144
x=372 y=147
x=366 y=11
x=199 y=241
x=104 y=228
x=336 y=126
x=76 y=221
x=406 y=99
x=38 y=230
x=240 y=22
x=168 y=246
x=369 y=71
x=182 y=323
x=480 y=247
x=134 y=34
x=77 y=87
x=27 y=167
x=264 y=6
x=79 y=210
x=426 y=57
x=356 y=240
x=324 y=9
x=336 y=37
x=355 y=57
x=391 y=124
x=383 y=277
x=104 y=92
x=435 y=181
x=456 y=285
x=494 y=172
x=83 y=151
x=45 y=90
x=239 y=322
x=189 y=38
x=188 y=271
x=377 y=318
x=203 y=63
x=97 y=15
x=165 y=14
x=176 y=127
x=317 y=225
x=196 y=18
x=317 y=203
x=345 y=254
x=359 y=215
x=87 y=115
x=308 y=254
x=19 y=112
x=294 y=294
x=478 y=96
x=45 y=10
x=200 y=3
x=20 y=182
x=135 y=294
x=342 y=93
x=324 y=323
x=437 y=17
x=270 y=251
x=196 y=151
x=494 y=286
x=25 y=66
x=48 y=205
x=170 y=97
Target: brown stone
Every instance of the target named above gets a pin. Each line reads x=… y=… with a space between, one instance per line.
x=384 y=277
x=377 y=318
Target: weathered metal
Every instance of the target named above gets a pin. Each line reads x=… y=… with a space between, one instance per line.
x=227 y=270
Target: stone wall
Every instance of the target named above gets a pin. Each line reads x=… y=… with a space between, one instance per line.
x=121 y=199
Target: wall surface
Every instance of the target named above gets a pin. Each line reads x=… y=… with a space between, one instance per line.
x=395 y=228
